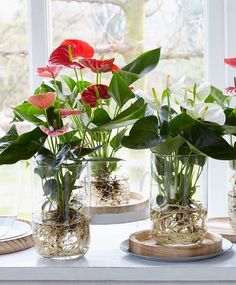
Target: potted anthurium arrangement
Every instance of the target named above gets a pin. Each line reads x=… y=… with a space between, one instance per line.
x=72 y=119
x=107 y=111
x=188 y=125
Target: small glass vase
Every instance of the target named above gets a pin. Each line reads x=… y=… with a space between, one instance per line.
x=232 y=194
x=178 y=198
x=109 y=183
x=61 y=210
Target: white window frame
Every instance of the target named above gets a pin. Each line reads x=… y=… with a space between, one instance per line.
x=219 y=43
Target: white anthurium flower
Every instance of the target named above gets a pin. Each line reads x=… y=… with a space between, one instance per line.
x=184 y=99
x=153 y=102
x=203 y=91
x=209 y=112
x=178 y=85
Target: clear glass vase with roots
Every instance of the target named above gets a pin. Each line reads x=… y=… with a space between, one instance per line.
x=61 y=210
x=178 y=198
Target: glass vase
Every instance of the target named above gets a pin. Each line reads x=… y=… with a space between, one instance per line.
x=109 y=183
x=61 y=210
x=178 y=198
x=232 y=194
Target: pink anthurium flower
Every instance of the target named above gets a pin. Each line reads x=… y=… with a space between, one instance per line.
x=43 y=101
x=230 y=61
x=69 y=51
x=230 y=91
x=49 y=71
x=91 y=94
x=54 y=133
x=66 y=112
x=96 y=65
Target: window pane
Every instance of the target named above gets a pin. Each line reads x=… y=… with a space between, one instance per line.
x=123 y=31
x=14 y=85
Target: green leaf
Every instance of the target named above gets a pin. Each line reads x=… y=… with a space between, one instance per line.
x=54 y=118
x=29 y=113
x=24 y=147
x=79 y=153
x=164 y=113
x=45 y=158
x=143 y=134
x=216 y=96
x=50 y=186
x=119 y=90
x=100 y=117
x=62 y=154
x=10 y=137
x=200 y=137
x=129 y=77
x=144 y=63
x=115 y=143
x=43 y=88
x=70 y=82
x=129 y=116
x=168 y=146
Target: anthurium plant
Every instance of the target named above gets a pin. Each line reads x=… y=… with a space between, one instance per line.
x=186 y=124
x=185 y=121
x=72 y=117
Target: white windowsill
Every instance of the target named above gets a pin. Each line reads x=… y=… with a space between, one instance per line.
x=105 y=263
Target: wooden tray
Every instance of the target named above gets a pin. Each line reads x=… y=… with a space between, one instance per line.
x=137 y=209
x=142 y=243
x=222 y=226
x=17 y=243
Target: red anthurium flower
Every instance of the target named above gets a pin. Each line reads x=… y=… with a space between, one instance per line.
x=80 y=48
x=50 y=71
x=43 y=101
x=66 y=112
x=230 y=61
x=91 y=94
x=69 y=51
x=96 y=65
x=230 y=91
x=54 y=133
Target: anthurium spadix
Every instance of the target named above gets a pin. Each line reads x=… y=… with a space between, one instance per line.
x=209 y=112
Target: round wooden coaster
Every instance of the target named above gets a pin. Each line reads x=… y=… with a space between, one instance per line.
x=137 y=209
x=17 y=243
x=142 y=243
x=222 y=226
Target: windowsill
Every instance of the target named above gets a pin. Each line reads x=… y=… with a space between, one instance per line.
x=105 y=262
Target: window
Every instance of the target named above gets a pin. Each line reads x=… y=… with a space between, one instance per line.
x=14 y=83
x=123 y=29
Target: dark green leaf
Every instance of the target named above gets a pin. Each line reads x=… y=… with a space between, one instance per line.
x=10 y=137
x=53 y=118
x=129 y=116
x=129 y=77
x=100 y=117
x=144 y=63
x=24 y=147
x=115 y=143
x=169 y=146
x=143 y=134
x=119 y=90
